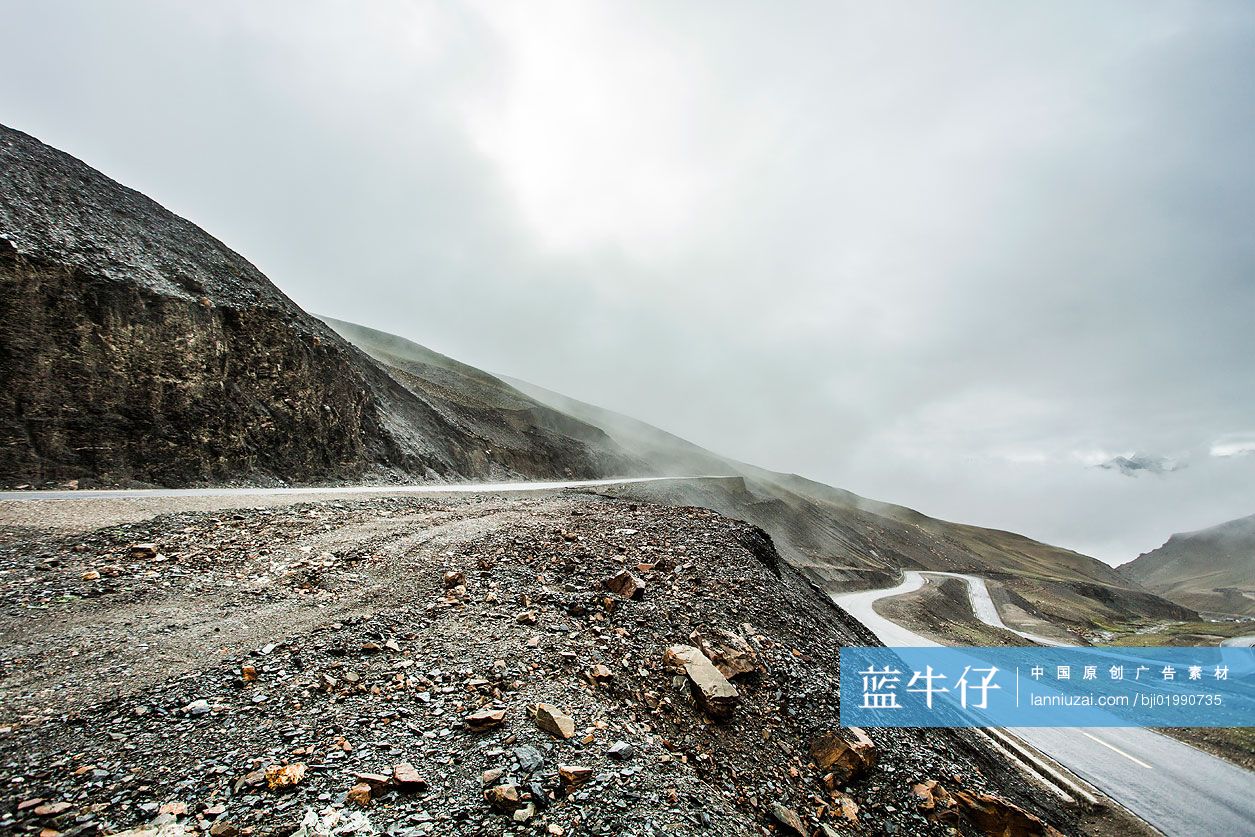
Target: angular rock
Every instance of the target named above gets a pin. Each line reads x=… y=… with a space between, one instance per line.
x=143 y=550
x=932 y=796
x=846 y=805
x=554 y=721
x=713 y=692
x=505 y=798
x=199 y=706
x=377 y=781
x=485 y=719
x=359 y=794
x=454 y=578
x=407 y=778
x=600 y=674
x=996 y=816
x=621 y=751
x=283 y=776
x=790 y=822
x=625 y=584
x=529 y=758
x=574 y=775
x=729 y=653
x=845 y=761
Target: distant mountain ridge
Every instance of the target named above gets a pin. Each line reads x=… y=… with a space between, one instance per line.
x=1210 y=570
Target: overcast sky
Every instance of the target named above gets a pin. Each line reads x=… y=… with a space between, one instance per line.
x=953 y=255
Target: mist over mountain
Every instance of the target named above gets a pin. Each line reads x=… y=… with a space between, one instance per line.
x=1210 y=570
x=837 y=538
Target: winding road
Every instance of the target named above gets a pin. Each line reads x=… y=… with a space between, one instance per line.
x=1173 y=786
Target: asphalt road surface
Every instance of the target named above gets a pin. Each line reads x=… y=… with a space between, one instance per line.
x=427 y=488
x=1176 y=788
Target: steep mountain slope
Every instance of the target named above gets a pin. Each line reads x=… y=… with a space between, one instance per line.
x=837 y=538
x=1211 y=570
x=528 y=436
x=135 y=347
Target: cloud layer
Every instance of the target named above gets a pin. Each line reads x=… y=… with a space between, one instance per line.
x=942 y=255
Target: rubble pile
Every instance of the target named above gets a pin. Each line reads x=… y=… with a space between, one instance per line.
x=564 y=666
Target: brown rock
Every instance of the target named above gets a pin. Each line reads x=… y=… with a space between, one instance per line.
x=932 y=796
x=845 y=761
x=710 y=688
x=625 y=584
x=996 y=817
x=377 y=781
x=600 y=674
x=249 y=673
x=91 y=575
x=574 y=775
x=407 y=778
x=790 y=822
x=554 y=721
x=453 y=579
x=51 y=809
x=846 y=806
x=731 y=654
x=281 y=776
x=505 y=798
x=359 y=794
x=143 y=550
x=485 y=719
x=525 y=617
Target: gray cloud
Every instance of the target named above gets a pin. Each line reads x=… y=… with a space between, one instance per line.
x=950 y=256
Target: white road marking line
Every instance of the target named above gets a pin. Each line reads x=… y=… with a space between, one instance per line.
x=1116 y=749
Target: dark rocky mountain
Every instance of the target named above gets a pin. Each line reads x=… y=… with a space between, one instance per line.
x=137 y=348
x=1210 y=570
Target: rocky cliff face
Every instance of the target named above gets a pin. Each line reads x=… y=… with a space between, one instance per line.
x=135 y=347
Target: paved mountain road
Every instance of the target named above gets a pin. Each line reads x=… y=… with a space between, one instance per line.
x=1171 y=785
x=425 y=488
x=1239 y=641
